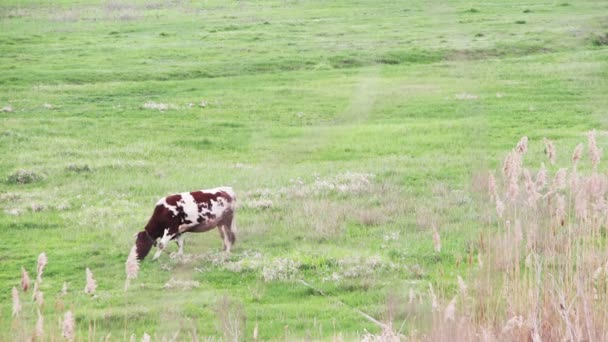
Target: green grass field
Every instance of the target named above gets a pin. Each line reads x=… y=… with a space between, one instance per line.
x=348 y=130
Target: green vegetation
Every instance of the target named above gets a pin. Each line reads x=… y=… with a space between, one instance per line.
x=349 y=130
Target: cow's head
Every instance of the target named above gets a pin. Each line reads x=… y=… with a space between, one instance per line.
x=144 y=243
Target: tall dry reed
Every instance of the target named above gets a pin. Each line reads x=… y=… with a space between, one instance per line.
x=543 y=273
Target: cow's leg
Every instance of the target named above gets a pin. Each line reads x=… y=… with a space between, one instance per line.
x=224 y=237
x=226 y=231
x=180 y=244
x=162 y=243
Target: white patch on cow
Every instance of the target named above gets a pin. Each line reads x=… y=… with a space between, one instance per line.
x=163 y=243
x=225 y=189
x=189 y=206
x=163 y=202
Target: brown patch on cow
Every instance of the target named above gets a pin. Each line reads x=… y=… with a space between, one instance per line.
x=203 y=197
x=173 y=199
x=143 y=245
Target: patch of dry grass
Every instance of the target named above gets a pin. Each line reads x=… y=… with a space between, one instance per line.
x=543 y=272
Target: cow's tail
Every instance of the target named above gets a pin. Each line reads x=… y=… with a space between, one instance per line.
x=233 y=206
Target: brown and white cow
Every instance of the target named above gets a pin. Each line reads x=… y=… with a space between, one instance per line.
x=188 y=212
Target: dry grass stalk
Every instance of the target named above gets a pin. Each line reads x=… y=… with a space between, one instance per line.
x=16 y=302
x=595 y=153
x=231 y=319
x=64 y=289
x=35 y=290
x=42 y=261
x=539 y=277
x=39 y=299
x=131 y=266
x=91 y=284
x=411 y=296
x=449 y=313
x=576 y=155
x=550 y=150
x=25 y=280
x=39 y=330
x=462 y=286
x=434 y=302
x=68 y=326
x=522 y=145
x=436 y=240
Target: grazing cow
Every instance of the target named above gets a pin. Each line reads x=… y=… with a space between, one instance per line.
x=194 y=212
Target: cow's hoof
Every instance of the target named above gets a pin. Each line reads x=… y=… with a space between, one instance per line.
x=157 y=255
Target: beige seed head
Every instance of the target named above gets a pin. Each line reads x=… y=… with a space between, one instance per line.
x=25 y=280
x=522 y=145
x=436 y=241
x=550 y=150
x=68 y=326
x=42 y=261
x=541 y=177
x=91 y=283
x=131 y=266
x=576 y=155
x=559 y=181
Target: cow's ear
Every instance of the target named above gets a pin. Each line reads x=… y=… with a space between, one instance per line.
x=135 y=235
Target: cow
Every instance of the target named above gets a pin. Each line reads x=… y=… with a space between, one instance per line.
x=188 y=212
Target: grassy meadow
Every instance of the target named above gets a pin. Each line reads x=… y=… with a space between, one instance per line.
x=353 y=132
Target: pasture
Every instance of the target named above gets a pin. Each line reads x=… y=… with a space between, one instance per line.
x=351 y=132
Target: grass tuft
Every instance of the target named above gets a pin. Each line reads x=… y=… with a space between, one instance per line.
x=25 y=177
